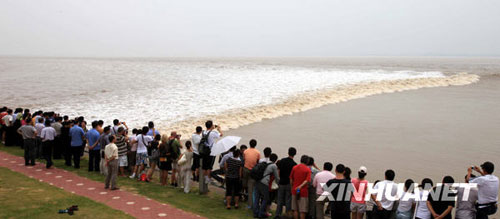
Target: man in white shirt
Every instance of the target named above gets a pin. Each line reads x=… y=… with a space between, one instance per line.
x=111 y=155
x=8 y=121
x=384 y=203
x=195 y=139
x=48 y=135
x=487 y=185
x=39 y=126
x=214 y=133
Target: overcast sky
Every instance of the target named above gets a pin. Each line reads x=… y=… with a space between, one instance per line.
x=158 y=28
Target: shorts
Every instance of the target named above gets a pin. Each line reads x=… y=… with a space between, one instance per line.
x=300 y=205
x=208 y=162
x=122 y=161
x=165 y=166
x=141 y=158
x=196 y=162
x=357 y=207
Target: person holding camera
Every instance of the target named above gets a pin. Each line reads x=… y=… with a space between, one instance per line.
x=212 y=133
x=487 y=185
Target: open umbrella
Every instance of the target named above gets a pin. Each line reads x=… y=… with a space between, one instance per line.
x=224 y=145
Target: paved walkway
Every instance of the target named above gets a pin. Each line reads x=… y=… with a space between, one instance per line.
x=133 y=204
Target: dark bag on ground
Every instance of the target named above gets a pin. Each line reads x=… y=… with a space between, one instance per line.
x=203 y=146
x=257 y=172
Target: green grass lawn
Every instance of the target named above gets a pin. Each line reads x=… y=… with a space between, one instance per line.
x=23 y=197
x=210 y=205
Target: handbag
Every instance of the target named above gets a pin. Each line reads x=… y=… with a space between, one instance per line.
x=274 y=185
x=183 y=160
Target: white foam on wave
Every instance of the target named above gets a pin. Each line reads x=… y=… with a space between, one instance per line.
x=179 y=95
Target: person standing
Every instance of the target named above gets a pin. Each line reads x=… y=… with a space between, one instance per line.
x=466 y=209
x=8 y=122
x=300 y=177
x=103 y=140
x=153 y=158
x=358 y=203
x=251 y=157
x=165 y=164
x=121 y=143
x=285 y=166
x=262 y=188
x=341 y=194
x=174 y=147
x=94 y=148
x=422 y=211
x=487 y=185
x=406 y=201
x=213 y=133
x=320 y=179
x=141 y=159
x=28 y=132
x=111 y=154
x=185 y=163
x=77 y=136
x=442 y=205
x=384 y=206
x=233 y=168
x=58 y=146
x=39 y=125
x=195 y=139
x=48 y=135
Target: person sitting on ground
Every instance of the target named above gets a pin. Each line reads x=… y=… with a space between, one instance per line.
x=340 y=206
x=234 y=171
x=319 y=180
x=466 y=209
x=406 y=201
x=299 y=178
x=48 y=135
x=153 y=159
x=111 y=153
x=384 y=204
x=165 y=164
x=422 y=211
x=185 y=163
x=262 y=188
x=442 y=205
x=121 y=143
x=487 y=185
x=358 y=203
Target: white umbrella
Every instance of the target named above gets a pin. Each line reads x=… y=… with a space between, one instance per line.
x=224 y=145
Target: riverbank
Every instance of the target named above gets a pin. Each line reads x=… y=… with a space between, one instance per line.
x=429 y=132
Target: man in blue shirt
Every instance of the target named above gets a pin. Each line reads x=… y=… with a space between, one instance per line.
x=94 y=147
x=77 y=136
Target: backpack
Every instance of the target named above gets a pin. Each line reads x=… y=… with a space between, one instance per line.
x=257 y=172
x=203 y=147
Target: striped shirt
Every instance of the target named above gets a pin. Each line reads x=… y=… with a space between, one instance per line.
x=233 y=168
x=122 y=145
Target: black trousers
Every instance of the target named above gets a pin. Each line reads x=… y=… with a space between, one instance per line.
x=67 y=152
x=47 y=152
x=29 y=151
x=482 y=213
x=381 y=214
x=39 y=153
x=58 y=148
x=76 y=151
x=94 y=160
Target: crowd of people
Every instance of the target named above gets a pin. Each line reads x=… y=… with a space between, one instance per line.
x=247 y=175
